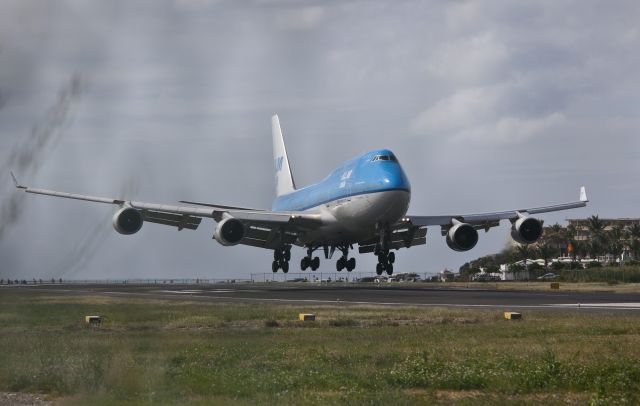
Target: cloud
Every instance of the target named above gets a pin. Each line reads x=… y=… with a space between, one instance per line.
x=480 y=58
x=483 y=114
x=464 y=109
x=514 y=129
x=300 y=18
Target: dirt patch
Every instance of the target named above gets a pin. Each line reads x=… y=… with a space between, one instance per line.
x=22 y=399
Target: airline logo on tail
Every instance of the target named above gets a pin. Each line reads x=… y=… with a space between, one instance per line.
x=279 y=163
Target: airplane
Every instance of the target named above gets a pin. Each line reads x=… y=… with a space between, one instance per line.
x=364 y=201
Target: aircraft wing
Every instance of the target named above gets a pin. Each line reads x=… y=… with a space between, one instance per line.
x=488 y=220
x=263 y=228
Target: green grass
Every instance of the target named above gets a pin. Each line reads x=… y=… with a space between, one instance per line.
x=167 y=352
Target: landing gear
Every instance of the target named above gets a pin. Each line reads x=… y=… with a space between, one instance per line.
x=344 y=262
x=310 y=261
x=281 y=257
x=386 y=259
x=385 y=263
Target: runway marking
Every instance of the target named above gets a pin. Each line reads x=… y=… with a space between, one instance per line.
x=601 y=305
x=611 y=306
x=188 y=292
x=628 y=306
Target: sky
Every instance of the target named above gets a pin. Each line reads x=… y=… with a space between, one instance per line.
x=489 y=105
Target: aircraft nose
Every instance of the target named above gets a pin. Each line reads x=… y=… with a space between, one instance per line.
x=395 y=178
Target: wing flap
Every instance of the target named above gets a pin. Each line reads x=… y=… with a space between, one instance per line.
x=401 y=238
x=267 y=238
x=180 y=221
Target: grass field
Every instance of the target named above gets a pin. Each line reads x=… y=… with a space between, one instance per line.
x=166 y=352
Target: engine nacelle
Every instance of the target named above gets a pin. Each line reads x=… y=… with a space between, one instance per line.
x=127 y=221
x=526 y=230
x=462 y=237
x=229 y=232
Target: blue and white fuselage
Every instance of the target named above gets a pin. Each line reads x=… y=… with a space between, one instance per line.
x=362 y=193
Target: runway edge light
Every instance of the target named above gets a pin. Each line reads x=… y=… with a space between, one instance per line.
x=512 y=316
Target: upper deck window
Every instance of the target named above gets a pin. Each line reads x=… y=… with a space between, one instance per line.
x=385 y=158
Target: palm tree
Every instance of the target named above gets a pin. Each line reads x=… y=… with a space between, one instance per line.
x=634 y=235
x=571 y=232
x=546 y=252
x=615 y=237
x=635 y=249
x=595 y=225
x=555 y=237
x=598 y=237
x=525 y=251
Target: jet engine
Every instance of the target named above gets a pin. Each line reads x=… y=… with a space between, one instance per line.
x=229 y=231
x=127 y=221
x=462 y=237
x=526 y=230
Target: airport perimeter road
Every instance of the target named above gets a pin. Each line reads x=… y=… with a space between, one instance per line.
x=394 y=295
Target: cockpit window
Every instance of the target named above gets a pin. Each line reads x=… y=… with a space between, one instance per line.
x=385 y=158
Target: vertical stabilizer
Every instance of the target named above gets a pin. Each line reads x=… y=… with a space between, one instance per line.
x=284 y=178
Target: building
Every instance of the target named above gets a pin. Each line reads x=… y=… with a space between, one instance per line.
x=520 y=272
x=446 y=276
x=582 y=226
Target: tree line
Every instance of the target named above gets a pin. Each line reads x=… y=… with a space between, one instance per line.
x=557 y=241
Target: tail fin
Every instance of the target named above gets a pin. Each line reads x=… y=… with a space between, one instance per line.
x=284 y=178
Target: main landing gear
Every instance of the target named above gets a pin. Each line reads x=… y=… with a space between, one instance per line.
x=309 y=261
x=385 y=258
x=385 y=262
x=281 y=258
x=344 y=262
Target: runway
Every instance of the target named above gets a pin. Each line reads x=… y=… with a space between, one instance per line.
x=359 y=294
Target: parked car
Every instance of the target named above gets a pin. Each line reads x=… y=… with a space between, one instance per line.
x=548 y=277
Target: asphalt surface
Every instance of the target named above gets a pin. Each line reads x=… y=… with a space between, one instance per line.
x=352 y=294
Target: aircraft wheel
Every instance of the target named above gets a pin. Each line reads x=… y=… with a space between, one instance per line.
x=277 y=255
x=351 y=264
x=274 y=266
x=304 y=263
x=287 y=254
x=285 y=267
x=392 y=257
x=315 y=264
x=389 y=269
x=382 y=258
x=379 y=268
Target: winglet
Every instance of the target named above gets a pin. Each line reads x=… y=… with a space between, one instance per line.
x=15 y=181
x=583 y=194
